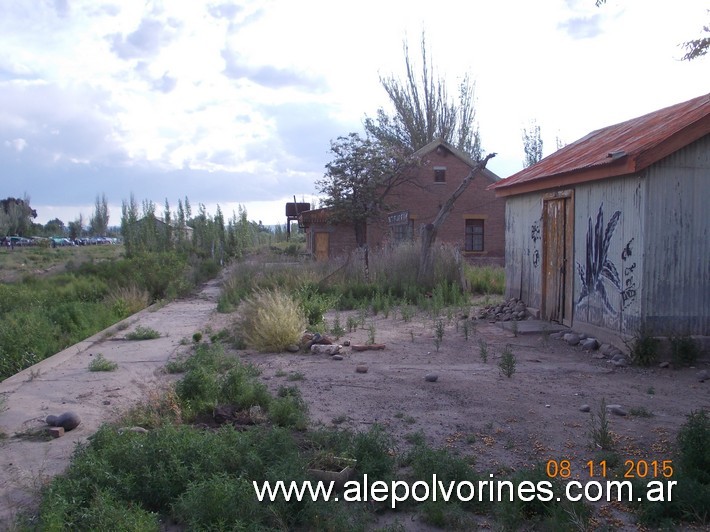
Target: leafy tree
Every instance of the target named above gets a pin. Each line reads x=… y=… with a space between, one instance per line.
x=16 y=216
x=98 y=224
x=54 y=227
x=423 y=111
x=76 y=227
x=532 y=144
x=358 y=179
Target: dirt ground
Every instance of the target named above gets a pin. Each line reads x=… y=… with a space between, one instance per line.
x=505 y=423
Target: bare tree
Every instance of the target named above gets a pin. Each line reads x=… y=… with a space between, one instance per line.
x=430 y=231
x=424 y=112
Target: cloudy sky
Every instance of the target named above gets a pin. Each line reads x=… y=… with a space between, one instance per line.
x=235 y=102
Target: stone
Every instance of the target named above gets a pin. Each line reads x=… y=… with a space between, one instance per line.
x=56 y=432
x=293 y=348
x=68 y=421
x=599 y=356
x=431 y=377
x=321 y=349
x=571 y=338
x=702 y=375
x=337 y=357
x=584 y=408
x=606 y=348
x=590 y=344
x=557 y=335
x=664 y=364
x=616 y=410
x=361 y=369
x=620 y=362
x=346 y=343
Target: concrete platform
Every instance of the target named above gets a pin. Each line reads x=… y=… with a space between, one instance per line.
x=532 y=326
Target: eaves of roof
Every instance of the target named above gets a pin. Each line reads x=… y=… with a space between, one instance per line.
x=621 y=149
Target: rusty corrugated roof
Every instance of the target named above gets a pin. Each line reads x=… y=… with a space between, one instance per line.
x=615 y=150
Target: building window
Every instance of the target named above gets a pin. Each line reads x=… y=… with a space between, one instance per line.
x=474 y=235
x=439 y=174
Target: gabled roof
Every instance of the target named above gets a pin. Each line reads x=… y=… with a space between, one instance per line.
x=433 y=145
x=617 y=150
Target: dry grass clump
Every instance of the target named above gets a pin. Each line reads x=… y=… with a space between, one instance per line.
x=127 y=300
x=271 y=320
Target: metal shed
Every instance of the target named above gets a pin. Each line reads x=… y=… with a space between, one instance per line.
x=611 y=233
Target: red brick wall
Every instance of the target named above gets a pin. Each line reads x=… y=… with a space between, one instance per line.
x=423 y=199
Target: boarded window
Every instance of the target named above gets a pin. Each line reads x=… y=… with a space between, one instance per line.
x=439 y=174
x=474 y=235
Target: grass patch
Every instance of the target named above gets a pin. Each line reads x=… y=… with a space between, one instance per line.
x=99 y=363
x=142 y=333
x=271 y=320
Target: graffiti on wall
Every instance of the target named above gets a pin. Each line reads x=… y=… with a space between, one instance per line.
x=535 y=236
x=628 y=294
x=598 y=268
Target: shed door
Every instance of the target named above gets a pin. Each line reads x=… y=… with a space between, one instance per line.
x=557 y=242
x=322 y=246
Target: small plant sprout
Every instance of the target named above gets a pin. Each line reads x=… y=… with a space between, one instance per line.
x=352 y=324
x=438 y=333
x=197 y=337
x=337 y=329
x=599 y=433
x=483 y=349
x=507 y=362
x=371 y=334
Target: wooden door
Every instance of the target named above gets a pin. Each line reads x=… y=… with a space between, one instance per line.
x=557 y=259
x=322 y=246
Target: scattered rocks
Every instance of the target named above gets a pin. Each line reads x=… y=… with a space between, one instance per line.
x=512 y=310
x=620 y=362
x=56 y=432
x=361 y=369
x=337 y=357
x=664 y=364
x=571 y=338
x=293 y=348
x=590 y=344
x=68 y=421
x=557 y=335
x=346 y=343
x=431 y=377
x=585 y=408
x=702 y=375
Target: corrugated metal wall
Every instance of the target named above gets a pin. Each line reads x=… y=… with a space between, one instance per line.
x=609 y=249
x=523 y=248
x=676 y=296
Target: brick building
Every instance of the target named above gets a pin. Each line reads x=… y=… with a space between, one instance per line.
x=475 y=225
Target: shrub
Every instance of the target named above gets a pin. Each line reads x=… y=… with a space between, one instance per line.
x=644 y=348
x=684 y=350
x=143 y=333
x=271 y=320
x=507 y=362
x=99 y=363
x=127 y=300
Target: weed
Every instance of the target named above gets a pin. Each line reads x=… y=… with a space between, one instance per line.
x=640 y=411
x=684 y=350
x=407 y=313
x=599 y=433
x=280 y=373
x=337 y=329
x=438 y=333
x=143 y=333
x=545 y=335
x=466 y=326
x=99 y=363
x=271 y=320
x=643 y=348
x=651 y=390
x=296 y=376
x=507 y=362
x=411 y=335
x=337 y=420
x=371 y=334
x=483 y=349
x=352 y=324
x=197 y=337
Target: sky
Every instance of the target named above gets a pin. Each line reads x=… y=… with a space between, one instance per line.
x=235 y=103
